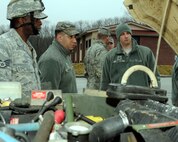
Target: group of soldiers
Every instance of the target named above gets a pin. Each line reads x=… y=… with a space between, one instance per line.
x=104 y=64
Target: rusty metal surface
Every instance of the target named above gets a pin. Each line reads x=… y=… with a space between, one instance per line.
x=152 y=13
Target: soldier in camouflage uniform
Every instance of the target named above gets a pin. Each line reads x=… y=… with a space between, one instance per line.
x=17 y=56
x=95 y=57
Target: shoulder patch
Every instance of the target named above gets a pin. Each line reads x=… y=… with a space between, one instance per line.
x=5 y=63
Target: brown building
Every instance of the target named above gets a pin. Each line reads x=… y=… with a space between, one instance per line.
x=143 y=34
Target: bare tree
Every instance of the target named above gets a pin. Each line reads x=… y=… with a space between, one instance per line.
x=97 y=24
x=47 y=30
x=82 y=26
x=116 y=20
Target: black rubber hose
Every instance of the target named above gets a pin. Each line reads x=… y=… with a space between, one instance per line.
x=46 y=126
x=108 y=128
x=56 y=101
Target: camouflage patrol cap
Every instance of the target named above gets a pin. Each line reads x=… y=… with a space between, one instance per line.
x=104 y=31
x=20 y=8
x=67 y=28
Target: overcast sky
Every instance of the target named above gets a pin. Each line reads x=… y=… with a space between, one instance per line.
x=74 y=10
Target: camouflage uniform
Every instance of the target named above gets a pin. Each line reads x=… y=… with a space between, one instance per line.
x=17 y=62
x=17 y=56
x=94 y=58
x=94 y=61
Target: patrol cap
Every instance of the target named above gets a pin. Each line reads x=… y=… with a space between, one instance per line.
x=123 y=27
x=67 y=28
x=39 y=15
x=104 y=31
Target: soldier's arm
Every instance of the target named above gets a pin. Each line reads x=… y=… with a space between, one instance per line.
x=100 y=58
x=105 y=76
x=50 y=72
x=5 y=64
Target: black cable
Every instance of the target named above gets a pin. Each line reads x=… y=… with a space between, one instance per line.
x=56 y=101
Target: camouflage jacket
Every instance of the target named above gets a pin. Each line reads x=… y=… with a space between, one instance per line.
x=93 y=62
x=18 y=63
